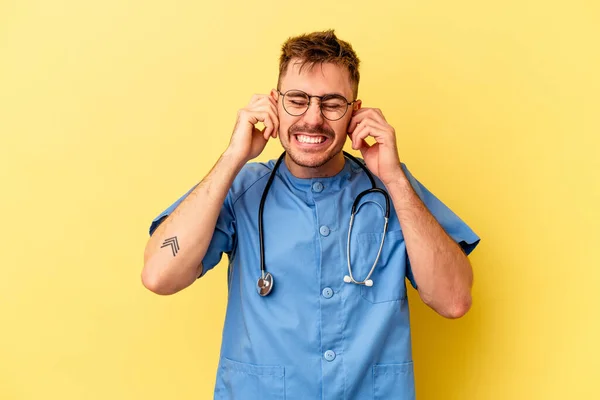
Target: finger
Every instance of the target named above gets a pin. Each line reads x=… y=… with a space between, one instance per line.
x=360 y=111
x=363 y=146
x=266 y=103
x=360 y=133
x=252 y=116
x=276 y=112
x=255 y=116
x=272 y=111
x=363 y=114
x=275 y=127
x=255 y=98
x=273 y=105
x=272 y=127
x=368 y=128
x=265 y=106
x=268 y=126
x=380 y=113
x=275 y=118
x=356 y=119
x=273 y=101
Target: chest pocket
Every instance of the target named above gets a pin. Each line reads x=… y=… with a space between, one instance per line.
x=390 y=271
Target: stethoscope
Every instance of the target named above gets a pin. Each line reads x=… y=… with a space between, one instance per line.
x=265 y=282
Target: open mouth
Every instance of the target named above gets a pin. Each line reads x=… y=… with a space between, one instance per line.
x=310 y=140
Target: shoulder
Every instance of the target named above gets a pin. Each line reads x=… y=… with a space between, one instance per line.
x=251 y=174
x=362 y=161
x=361 y=172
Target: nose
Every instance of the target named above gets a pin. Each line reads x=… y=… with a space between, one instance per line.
x=313 y=115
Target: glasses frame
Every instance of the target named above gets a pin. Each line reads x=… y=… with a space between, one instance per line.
x=320 y=103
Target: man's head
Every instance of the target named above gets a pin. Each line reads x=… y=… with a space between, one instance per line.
x=318 y=64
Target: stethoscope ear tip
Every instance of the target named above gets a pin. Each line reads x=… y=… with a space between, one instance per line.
x=368 y=282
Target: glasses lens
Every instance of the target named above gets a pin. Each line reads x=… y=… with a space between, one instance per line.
x=334 y=107
x=295 y=102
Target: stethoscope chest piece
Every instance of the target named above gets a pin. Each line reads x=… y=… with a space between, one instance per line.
x=265 y=284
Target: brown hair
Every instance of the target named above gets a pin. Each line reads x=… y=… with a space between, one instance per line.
x=317 y=48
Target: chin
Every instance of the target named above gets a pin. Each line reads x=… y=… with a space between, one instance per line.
x=310 y=160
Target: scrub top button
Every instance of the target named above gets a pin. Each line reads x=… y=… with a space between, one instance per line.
x=327 y=292
x=324 y=230
x=329 y=355
x=317 y=187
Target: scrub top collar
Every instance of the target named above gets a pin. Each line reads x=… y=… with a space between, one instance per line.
x=329 y=184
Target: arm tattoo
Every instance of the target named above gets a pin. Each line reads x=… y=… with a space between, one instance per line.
x=173 y=243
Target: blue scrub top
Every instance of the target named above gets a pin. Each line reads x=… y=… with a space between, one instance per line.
x=315 y=336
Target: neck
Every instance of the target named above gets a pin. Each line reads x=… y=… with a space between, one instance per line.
x=329 y=169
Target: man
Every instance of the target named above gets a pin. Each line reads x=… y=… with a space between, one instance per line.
x=321 y=322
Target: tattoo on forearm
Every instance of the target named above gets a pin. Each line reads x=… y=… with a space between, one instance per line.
x=173 y=243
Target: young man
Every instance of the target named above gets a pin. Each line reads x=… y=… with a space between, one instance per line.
x=312 y=313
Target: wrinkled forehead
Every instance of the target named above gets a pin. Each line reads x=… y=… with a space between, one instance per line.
x=317 y=78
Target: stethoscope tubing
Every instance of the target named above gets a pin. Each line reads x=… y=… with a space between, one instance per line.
x=265 y=282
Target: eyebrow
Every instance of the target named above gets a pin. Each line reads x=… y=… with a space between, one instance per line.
x=334 y=93
x=326 y=94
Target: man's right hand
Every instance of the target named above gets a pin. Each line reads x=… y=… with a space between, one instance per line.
x=247 y=142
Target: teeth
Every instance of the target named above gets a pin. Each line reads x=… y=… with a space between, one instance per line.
x=310 y=139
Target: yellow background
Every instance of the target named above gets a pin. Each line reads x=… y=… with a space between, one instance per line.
x=111 y=110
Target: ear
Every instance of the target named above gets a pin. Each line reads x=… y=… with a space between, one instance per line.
x=357 y=105
x=274 y=94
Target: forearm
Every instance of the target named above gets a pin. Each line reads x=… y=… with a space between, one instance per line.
x=441 y=269
x=191 y=225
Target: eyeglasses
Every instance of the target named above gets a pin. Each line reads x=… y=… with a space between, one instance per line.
x=333 y=106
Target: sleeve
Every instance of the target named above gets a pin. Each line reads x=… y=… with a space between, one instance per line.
x=223 y=239
x=456 y=228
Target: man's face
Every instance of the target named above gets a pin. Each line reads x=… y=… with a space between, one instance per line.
x=312 y=141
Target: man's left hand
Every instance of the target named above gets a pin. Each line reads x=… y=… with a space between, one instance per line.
x=381 y=157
